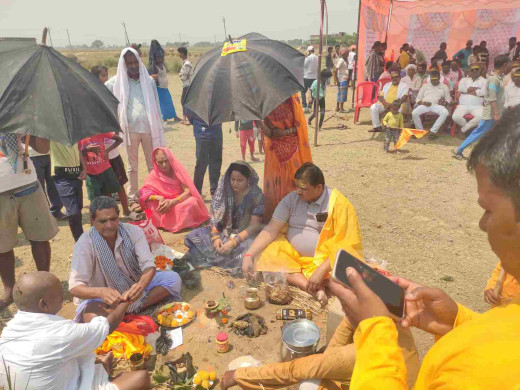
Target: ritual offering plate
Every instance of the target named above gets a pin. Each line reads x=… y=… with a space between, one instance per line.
x=175 y=314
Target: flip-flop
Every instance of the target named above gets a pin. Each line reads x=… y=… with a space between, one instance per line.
x=135 y=216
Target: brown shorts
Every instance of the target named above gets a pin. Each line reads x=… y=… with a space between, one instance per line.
x=30 y=212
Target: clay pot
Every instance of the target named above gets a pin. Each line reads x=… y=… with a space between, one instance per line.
x=210 y=306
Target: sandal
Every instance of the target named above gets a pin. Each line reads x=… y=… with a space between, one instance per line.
x=135 y=216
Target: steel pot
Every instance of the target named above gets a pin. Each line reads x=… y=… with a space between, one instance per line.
x=299 y=338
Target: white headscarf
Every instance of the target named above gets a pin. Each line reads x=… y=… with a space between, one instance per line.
x=151 y=104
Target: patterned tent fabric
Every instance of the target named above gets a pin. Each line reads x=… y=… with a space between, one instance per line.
x=426 y=23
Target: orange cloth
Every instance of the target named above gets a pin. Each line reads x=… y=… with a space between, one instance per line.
x=284 y=155
x=406 y=134
x=510 y=287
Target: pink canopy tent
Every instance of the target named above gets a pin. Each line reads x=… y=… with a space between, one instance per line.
x=426 y=23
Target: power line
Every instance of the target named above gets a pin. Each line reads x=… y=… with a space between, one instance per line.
x=70 y=44
x=126 y=35
x=225 y=30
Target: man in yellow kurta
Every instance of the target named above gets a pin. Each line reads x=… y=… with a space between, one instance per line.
x=472 y=351
x=306 y=231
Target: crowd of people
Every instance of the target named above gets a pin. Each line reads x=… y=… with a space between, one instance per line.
x=463 y=92
x=295 y=224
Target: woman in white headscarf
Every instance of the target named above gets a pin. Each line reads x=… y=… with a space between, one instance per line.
x=139 y=113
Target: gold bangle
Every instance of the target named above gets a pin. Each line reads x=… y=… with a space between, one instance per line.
x=178 y=199
x=152 y=197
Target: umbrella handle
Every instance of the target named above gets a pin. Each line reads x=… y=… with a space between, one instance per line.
x=26 y=155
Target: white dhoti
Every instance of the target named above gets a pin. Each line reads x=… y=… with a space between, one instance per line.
x=101 y=381
x=376 y=110
x=461 y=110
x=441 y=111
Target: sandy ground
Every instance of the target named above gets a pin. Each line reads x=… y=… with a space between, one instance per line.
x=417 y=211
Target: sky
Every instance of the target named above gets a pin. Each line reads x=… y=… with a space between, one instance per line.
x=164 y=20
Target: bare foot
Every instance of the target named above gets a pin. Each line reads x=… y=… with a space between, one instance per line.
x=106 y=361
x=253 y=158
x=322 y=298
x=228 y=380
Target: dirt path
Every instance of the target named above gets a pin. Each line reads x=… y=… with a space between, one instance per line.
x=417 y=211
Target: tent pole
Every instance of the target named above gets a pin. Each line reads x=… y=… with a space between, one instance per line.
x=388 y=21
x=354 y=81
x=317 y=100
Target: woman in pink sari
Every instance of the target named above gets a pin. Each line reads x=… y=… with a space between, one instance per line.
x=169 y=196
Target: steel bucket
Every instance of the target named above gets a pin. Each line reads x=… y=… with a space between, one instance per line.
x=299 y=338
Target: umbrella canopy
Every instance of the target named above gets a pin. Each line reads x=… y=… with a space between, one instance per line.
x=45 y=94
x=244 y=83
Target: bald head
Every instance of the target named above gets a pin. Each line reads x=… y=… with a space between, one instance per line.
x=38 y=292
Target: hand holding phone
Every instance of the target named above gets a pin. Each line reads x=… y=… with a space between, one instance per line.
x=391 y=294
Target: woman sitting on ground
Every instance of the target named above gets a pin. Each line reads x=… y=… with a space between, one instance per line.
x=169 y=197
x=236 y=211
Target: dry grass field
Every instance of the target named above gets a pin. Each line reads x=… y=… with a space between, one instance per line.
x=417 y=208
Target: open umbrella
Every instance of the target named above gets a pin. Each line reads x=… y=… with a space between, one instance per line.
x=245 y=80
x=47 y=95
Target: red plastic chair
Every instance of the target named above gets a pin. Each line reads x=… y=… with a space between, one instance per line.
x=366 y=95
x=381 y=82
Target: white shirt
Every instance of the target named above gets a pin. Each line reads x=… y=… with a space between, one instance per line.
x=114 y=153
x=351 y=56
x=186 y=73
x=471 y=100
x=433 y=93
x=136 y=114
x=342 y=70
x=50 y=352
x=310 y=67
x=9 y=180
x=409 y=82
x=85 y=268
x=512 y=95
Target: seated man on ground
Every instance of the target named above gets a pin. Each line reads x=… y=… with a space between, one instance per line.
x=392 y=91
x=112 y=263
x=306 y=231
x=329 y=370
x=237 y=210
x=43 y=351
x=472 y=351
x=506 y=292
x=432 y=98
x=472 y=90
x=169 y=196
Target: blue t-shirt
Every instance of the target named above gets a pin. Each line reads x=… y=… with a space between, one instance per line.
x=201 y=130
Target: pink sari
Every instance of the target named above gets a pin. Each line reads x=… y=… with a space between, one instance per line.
x=188 y=214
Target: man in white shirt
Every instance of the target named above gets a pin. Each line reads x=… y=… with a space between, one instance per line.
x=22 y=204
x=512 y=90
x=351 y=62
x=432 y=98
x=310 y=72
x=112 y=262
x=44 y=351
x=186 y=75
x=139 y=114
x=472 y=90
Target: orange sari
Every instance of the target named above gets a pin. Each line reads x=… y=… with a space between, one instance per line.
x=284 y=155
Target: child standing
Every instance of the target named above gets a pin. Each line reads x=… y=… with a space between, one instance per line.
x=393 y=123
x=247 y=136
x=324 y=76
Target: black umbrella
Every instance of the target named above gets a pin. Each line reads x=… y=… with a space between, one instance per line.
x=50 y=96
x=245 y=85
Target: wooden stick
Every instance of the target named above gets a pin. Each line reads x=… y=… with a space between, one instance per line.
x=44 y=36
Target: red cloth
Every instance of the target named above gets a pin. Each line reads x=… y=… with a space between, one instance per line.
x=96 y=162
x=190 y=213
x=134 y=324
x=247 y=137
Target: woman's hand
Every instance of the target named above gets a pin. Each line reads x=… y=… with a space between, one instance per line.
x=226 y=248
x=217 y=244
x=165 y=205
x=491 y=298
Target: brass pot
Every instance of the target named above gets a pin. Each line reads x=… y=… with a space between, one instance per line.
x=252 y=300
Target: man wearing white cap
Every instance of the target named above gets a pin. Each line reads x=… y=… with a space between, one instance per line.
x=310 y=71
x=472 y=90
x=139 y=113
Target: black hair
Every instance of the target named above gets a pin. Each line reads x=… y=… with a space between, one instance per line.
x=337 y=46
x=310 y=174
x=325 y=73
x=435 y=73
x=97 y=69
x=512 y=38
x=242 y=169
x=330 y=48
x=183 y=50
x=388 y=64
x=102 y=203
x=501 y=60
x=446 y=63
x=499 y=152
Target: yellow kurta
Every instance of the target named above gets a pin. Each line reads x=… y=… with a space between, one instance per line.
x=510 y=286
x=341 y=231
x=481 y=352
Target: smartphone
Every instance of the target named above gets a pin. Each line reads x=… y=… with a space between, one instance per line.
x=391 y=294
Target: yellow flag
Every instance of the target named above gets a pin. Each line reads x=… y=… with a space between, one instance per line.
x=406 y=134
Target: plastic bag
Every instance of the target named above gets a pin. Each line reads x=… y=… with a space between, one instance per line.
x=150 y=231
x=277 y=289
x=378 y=265
x=244 y=361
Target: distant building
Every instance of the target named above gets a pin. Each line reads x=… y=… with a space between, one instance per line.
x=315 y=38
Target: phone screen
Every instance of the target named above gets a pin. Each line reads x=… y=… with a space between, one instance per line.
x=391 y=294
